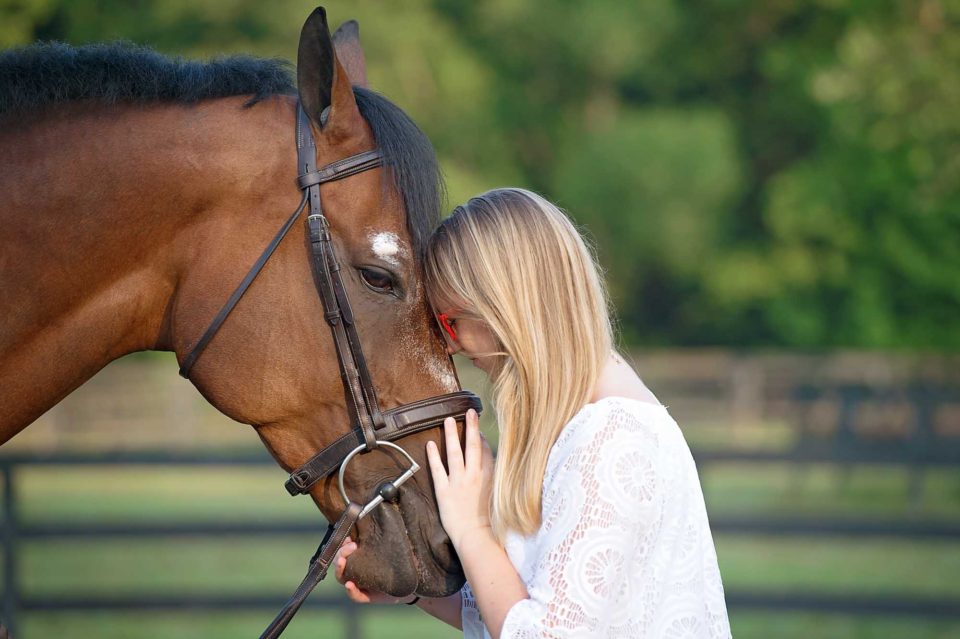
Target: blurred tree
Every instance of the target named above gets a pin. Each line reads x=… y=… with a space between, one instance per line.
x=862 y=234
x=757 y=172
x=19 y=19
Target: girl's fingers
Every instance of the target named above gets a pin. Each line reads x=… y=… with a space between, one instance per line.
x=356 y=594
x=340 y=559
x=454 y=453
x=473 y=441
x=436 y=466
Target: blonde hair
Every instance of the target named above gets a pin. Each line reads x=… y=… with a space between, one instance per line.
x=522 y=267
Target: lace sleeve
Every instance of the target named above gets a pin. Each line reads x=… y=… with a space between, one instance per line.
x=473 y=627
x=602 y=508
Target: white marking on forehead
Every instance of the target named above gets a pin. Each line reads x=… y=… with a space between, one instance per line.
x=386 y=246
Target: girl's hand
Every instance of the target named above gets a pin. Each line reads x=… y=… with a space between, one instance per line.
x=356 y=594
x=463 y=493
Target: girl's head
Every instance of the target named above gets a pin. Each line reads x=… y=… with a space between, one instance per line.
x=522 y=293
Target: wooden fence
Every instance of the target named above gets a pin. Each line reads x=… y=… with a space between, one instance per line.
x=14 y=533
x=844 y=409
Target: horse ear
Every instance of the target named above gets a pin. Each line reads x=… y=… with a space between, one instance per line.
x=322 y=81
x=346 y=42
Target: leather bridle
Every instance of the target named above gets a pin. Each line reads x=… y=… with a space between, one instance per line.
x=372 y=427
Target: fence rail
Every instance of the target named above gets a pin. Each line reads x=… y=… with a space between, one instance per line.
x=14 y=532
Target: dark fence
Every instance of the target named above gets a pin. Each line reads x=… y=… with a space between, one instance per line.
x=15 y=602
x=13 y=532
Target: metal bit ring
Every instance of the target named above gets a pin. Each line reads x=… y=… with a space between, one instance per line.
x=376 y=501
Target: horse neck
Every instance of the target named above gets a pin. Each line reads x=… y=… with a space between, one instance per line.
x=106 y=210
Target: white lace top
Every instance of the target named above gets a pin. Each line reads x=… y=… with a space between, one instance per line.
x=625 y=547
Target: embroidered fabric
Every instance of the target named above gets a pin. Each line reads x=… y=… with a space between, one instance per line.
x=624 y=548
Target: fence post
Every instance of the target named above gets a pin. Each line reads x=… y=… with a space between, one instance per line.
x=353 y=621
x=8 y=532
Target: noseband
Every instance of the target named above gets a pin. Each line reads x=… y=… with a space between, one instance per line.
x=372 y=427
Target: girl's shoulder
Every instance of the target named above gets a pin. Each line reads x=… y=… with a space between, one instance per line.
x=611 y=422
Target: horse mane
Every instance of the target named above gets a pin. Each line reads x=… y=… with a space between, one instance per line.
x=39 y=76
x=42 y=75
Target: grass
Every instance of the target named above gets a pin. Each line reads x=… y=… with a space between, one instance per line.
x=821 y=489
x=308 y=624
x=404 y=624
x=159 y=493
x=238 y=565
x=835 y=565
x=204 y=494
x=747 y=625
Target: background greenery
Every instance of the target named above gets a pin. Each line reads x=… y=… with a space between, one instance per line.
x=754 y=172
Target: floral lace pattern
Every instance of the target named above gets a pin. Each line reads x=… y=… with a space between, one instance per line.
x=624 y=549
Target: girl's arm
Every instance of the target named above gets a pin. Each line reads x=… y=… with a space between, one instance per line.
x=492 y=577
x=446 y=609
x=463 y=495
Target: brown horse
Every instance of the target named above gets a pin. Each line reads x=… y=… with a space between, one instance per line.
x=135 y=193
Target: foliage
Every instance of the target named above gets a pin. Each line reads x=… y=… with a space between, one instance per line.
x=754 y=172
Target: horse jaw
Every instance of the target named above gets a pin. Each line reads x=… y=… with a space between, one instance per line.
x=397 y=555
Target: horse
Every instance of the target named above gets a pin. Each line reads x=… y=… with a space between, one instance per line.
x=136 y=190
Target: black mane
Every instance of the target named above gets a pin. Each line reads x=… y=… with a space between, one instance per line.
x=39 y=76
x=412 y=159
x=42 y=75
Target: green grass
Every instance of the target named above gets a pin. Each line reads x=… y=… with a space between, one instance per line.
x=747 y=625
x=404 y=624
x=158 y=494
x=822 y=489
x=204 y=494
x=840 y=565
x=231 y=565
x=237 y=565
x=308 y=624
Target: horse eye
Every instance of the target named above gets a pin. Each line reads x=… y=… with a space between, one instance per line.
x=377 y=280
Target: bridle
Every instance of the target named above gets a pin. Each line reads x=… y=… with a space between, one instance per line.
x=372 y=427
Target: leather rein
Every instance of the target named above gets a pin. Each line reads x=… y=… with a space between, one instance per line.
x=372 y=427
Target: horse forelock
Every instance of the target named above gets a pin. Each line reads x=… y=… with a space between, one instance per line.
x=413 y=163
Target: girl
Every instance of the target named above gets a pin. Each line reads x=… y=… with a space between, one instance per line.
x=591 y=523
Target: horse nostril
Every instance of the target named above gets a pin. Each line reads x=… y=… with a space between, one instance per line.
x=389 y=491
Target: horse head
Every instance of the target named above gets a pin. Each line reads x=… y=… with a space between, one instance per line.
x=273 y=363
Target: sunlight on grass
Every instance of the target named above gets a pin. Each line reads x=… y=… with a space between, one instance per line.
x=861 y=566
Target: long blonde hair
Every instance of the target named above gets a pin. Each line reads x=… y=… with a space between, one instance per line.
x=522 y=267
